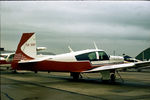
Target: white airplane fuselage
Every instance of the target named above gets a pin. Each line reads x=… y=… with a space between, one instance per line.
x=72 y=56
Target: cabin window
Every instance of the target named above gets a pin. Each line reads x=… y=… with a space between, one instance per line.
x=87 y=56
x=103 y=55
x=10 y=58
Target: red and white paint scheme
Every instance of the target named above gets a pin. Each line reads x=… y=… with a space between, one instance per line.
x=91 y=60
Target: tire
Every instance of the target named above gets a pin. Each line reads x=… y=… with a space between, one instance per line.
x=112 y=78
x=75 y=75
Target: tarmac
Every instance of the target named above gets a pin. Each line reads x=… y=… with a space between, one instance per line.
x=27 y=85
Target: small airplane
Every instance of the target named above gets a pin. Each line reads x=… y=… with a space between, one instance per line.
x=6 y=58
x=75 y=62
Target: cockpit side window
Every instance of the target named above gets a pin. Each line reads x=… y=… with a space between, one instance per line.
x=103 y=55
x=10 y=58
x=87 y=56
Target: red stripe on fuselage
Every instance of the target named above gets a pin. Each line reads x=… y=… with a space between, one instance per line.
x=58 y=66
x=4 y=62
x=48 y=65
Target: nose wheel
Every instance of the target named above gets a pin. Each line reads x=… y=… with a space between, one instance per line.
x=108 y=76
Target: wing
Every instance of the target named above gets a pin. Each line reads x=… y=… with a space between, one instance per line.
x=118 y=66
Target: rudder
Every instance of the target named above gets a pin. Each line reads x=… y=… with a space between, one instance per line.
x=26 y=49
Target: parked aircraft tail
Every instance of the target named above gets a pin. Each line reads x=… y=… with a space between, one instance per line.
x=26 y=49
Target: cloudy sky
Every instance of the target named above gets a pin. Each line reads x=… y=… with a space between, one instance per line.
x=123 y=27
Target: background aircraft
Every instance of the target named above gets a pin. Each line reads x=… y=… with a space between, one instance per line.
x=90 y=60
x=6 y=58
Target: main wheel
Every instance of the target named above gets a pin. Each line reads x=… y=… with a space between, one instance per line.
x=75 y=75
x=14 y=71
x=112 y=78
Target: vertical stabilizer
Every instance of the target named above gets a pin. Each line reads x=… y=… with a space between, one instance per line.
x=26 y=49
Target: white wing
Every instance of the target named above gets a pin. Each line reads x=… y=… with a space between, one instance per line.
x=118 y=66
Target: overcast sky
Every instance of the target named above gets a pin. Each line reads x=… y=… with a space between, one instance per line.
x=120 y=26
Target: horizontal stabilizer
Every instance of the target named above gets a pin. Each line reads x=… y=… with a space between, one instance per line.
x=35 y=60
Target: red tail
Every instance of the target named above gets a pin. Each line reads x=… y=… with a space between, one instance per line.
x=26 y=49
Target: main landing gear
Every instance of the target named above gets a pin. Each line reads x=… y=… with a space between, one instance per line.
x=108 y=76
x=75 y=75
x=14 y=71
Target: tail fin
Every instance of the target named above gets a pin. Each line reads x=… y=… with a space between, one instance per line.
x=26 y=49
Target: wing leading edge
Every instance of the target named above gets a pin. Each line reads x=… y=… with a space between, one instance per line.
x=118 y=66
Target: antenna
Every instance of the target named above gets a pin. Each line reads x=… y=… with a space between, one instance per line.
x=114 y=52
x=70 y=49
x=95 y=45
